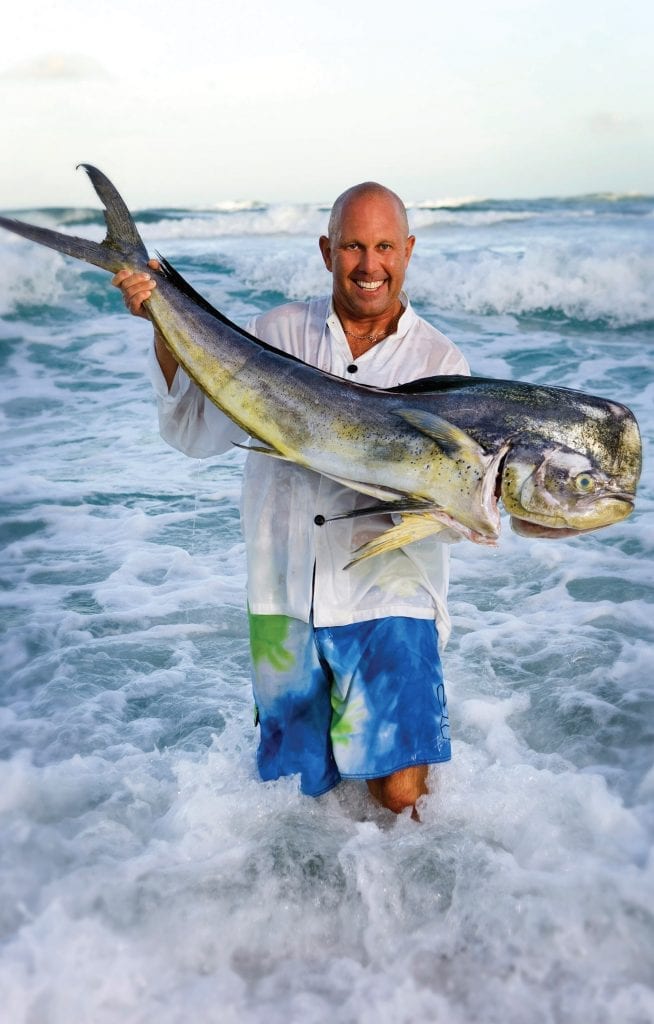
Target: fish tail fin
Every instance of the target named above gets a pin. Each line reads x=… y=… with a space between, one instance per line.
x=122 y=246
x=122 y=233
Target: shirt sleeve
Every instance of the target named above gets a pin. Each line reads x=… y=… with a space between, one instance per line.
x=459 y=364
x=188 y=420
x=454 y=363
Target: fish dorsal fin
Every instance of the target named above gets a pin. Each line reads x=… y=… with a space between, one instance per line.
x=182 y=285
x=451 y=439
x=439 y=384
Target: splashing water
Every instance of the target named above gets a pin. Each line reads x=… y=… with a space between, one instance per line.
x=147 y=875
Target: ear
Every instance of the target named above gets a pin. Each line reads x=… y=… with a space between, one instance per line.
x=326 y=250
x=410 y=242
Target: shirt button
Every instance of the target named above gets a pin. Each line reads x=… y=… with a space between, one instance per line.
x=352 y=368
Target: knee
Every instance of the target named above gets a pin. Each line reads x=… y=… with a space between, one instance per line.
x=396 y=798
x=400 y=790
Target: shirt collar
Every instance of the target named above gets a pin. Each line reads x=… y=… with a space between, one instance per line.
x=407 y=319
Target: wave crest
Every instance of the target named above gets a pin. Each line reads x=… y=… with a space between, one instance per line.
x=610 y=287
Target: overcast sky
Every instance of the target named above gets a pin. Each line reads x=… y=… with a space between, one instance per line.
x=202 y=100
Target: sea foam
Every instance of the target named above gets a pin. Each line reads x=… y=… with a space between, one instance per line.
x=147 y=874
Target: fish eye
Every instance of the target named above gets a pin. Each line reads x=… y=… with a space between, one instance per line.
x=585 y=483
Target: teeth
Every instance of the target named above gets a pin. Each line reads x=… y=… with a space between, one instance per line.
x=370 y=286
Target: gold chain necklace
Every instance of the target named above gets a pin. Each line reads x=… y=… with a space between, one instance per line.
x=365 y=337
x=372 y=337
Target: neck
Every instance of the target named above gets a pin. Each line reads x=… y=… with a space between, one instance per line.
x=363 y=333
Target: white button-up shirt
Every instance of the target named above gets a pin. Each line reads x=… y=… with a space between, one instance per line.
x=294 y=566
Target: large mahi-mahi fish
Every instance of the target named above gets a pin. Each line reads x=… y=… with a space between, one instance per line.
x=440 y=451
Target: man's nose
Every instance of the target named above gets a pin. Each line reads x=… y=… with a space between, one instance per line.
x=368 y=261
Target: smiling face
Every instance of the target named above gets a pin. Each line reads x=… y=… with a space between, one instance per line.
x=367 y=252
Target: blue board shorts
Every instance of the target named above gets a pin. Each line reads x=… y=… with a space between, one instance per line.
x=347 y=702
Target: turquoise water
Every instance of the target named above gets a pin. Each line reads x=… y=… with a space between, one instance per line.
x=146 y=874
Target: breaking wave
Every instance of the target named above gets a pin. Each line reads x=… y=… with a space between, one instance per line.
x=608 y=287
x=588 y=259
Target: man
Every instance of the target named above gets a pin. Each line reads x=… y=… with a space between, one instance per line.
x=346 y=668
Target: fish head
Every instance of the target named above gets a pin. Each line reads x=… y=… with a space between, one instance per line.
x=555 y=491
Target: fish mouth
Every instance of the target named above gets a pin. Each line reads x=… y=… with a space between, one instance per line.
x=527 y=528
x=622 y=503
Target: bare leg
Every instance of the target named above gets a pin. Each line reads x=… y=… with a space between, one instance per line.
x=401 y=789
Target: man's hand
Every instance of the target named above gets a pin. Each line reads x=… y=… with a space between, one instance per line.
x=136 y=288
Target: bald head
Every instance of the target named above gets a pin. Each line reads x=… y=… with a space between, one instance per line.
x=365 y=190
x=367 y=252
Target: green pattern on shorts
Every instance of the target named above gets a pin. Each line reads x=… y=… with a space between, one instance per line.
x=268 y=634
x=345 y=718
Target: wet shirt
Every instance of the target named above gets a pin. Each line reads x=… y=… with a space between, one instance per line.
x=294 y=565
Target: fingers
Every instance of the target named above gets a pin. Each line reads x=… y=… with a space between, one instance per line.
x=136 y=288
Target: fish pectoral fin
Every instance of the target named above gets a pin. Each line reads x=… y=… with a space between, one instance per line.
x=451 y=439
x=414 y=526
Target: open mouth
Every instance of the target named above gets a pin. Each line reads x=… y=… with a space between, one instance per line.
x=525 y=528
x=528 y=528
x=370 y=286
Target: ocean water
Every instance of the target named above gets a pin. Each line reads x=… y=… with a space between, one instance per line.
x=146 y=875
